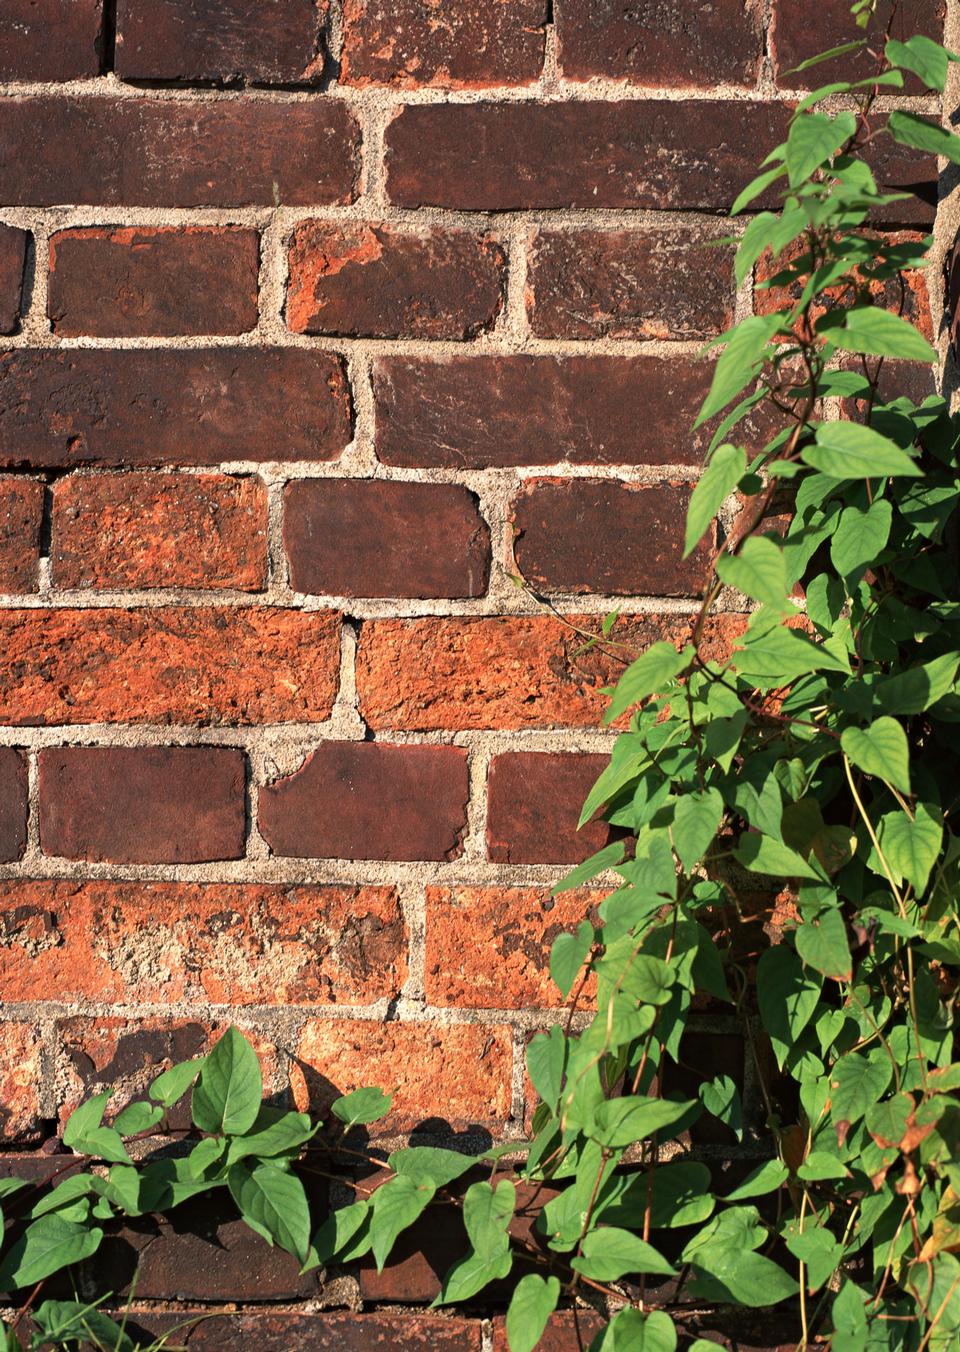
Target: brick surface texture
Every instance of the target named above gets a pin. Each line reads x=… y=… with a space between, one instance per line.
x=347 y=373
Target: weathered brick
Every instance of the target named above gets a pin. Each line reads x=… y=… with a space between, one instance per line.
x=216 y=943
x=369 y=280
x=278 y=42
x=534 y=804
x=374 y=537
x=13 y=256
x=186 y=665
x=459 y=1073
x=143 y=805
x=794 y=38
x=120 y=532
x=50 y=39
x=568 y=1331
x=470 y=44
x=270 y=1331
x=600 y=535
x=20 y=1081
x=13 y=804
x=364 y=800
x=74 y=407
x=153 y=152
x=655 y=283
x=717 y=42
x=473 y=412
x=21 y=511
x=635 y=153
x=527 y=671
x=489 y=947
x=158 y=281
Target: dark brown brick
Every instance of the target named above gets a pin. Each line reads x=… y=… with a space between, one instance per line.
x=193 y=407
x=719 y=41
x=143 y=805
x=367 y=280
x=599 y=535
x=568 y=1331
x=361 y=800
x=472 y=412
x=154 y=281
x=795 y=39
x=371 y=537
x=267 y=1331
x=535 y=799
x=145 y=529
x=21 y=509
x=13 y=804
x=158 y=152
x=638 y=153
x=469 y=44
x=13 y=255
x=659 y=283
x=50 y=39
x=263 y=41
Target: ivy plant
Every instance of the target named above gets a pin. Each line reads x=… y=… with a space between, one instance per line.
x=788 y=854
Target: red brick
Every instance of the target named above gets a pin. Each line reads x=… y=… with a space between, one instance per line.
x=13 y=804
x=672 y=45
x=20 y=1080
x=50 y=39
x=13 y=257
x=794 y=38
x=534 y=804
x=470 y=44
x=119 y=532
x=489 y=947
x=125 y=282
x=569 y=1331
x=21 y=511
x=364 y=800
x=637 y=153
x=658 y=283
x=167 y=665
x=599 y=535
x=212 y=943
x=269 y=1331
x=527 y=671
x=61 y=409
x=151 y=152
x=373 y=537
x=143 y=805
x=265 y=41
x=370 y=280
x=456 y=1072
x=474 y=412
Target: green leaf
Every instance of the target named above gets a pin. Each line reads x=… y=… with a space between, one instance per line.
x=822 y=944
x=471 y=1274
x=914 y=690
x=910 y=847
x=84 y=1134
x=729 y=1275
x=363 y=1105
x=849 y=1320
x=696 y=820
x=227 y=1096
x=46 y=1246
x=727 y=467
x=787 y=996
x=273 y=1133
x=487 y=1211
x=845 y=450
x=394 y=1207
x=568 y=954
x=431 y=1164
x=759 y=570
x=881 y=751
x=623 y=1121
x=336 y=1232
x=770 y=1176
x=920 y=134
x=821 y=1253
x=631 y=1331
x=925 y=58
x=660 y=664
x=820 y=1166
x=856 y=1083
x=607 y=1254
x=813 y=139
x=172 y=1084
x=763 y=854
x=828 y=55
x=720 y=1097
x=875 y=332
x=70 y=1321
x=608 y=857
x=780 y=656
x=533 y=1301
x=273 y=1203
x=546 y=1061
x=860 y=536
x=746 y=347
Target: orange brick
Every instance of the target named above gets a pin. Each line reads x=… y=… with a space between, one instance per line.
x=170 y=665
x=20 y=1079
x=223 y=944
x=489 y=947
x=456 y=1072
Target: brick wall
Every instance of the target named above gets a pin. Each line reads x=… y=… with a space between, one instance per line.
x=324 y=320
